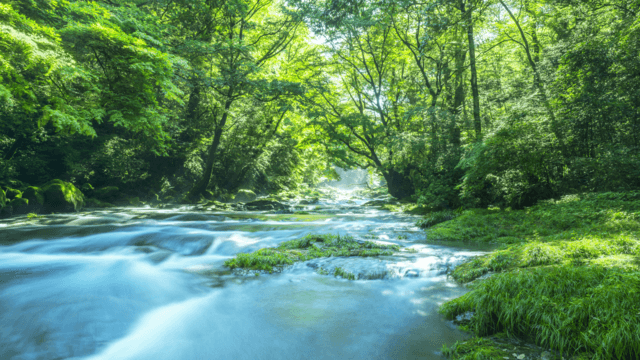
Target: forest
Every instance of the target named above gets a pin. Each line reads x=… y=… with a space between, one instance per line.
x=476 y=114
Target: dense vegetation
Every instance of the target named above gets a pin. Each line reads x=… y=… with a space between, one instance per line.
x=453 y=102
x=482 y=112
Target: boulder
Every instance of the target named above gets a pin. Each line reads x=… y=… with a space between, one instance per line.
x=35 y=195
x=95 y=203
x=106 y=193
x=61 y=196
x=313 y=201
x=6 y=211
x=265 y=205
x=13 y=193
x=245 y=196
x=20 y=206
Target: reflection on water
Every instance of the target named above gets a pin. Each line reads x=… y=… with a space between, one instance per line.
x=149 y=284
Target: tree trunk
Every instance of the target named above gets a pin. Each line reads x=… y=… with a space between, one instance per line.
x=474 y=73
x=399 y=185
x=203 y=183
x=458 y=98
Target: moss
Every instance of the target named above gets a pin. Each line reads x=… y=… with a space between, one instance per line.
x=3 y=198
x=106 y=193
x=282 y=217
x=35 y=196
x=307 y=248
x=435 y=218
x=95 y=203
x=245 y=195
x=19 y=205
x=61 y=196
x=13 y=193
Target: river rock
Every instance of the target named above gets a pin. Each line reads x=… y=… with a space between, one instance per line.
x=265 y=205
x=95 y=203
x=245 y=196
x=35 y=195
x=6 y=211
x=312 y=201
x=61 y=196
x=19 y=206
x=13 y=193
x=106 y=193
x=378 y=203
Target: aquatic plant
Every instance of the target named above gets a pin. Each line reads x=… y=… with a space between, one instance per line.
x=338 y=271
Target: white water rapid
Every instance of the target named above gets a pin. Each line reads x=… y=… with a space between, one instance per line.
x=150 y=284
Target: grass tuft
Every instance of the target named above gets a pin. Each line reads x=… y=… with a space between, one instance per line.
x=567 y=274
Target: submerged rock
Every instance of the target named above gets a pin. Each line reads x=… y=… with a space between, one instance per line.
x=265 y=205
x=61 y=196
x=245 y=196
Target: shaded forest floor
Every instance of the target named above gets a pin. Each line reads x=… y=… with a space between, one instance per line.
x=565 y=276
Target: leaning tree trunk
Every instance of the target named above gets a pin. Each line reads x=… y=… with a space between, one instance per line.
x=203 y=183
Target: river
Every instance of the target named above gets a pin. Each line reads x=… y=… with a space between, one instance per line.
x=145 y=283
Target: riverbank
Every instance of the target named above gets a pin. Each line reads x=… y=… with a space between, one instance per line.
x=565 y=276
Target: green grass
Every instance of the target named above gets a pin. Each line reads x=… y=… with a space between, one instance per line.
x=475 y=349
x=436 y=218
x=307 y=248
x=589 y=310
x=567 y=274
x=338 y=271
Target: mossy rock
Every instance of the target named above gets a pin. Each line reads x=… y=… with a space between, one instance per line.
x=134 y=201
x=3 y=198
x=61 y=196
x=6 y=211
x=35 y=195
x=95 y=203
x=87 y=189
x=265 y=205
x=106 y=193
x=245 y=196
x=311 y=201
x=13 y=193
x=20 y=206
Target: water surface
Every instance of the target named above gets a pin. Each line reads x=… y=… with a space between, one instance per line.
x=150 y=284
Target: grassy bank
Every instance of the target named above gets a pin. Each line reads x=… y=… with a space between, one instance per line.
x=567 y=274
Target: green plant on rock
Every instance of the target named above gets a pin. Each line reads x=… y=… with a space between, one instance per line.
x=307 y=248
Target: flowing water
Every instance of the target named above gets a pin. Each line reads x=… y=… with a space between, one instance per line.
x=150 y=284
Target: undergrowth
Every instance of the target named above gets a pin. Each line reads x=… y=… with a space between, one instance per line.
x=567 y=274
x=307 y=248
